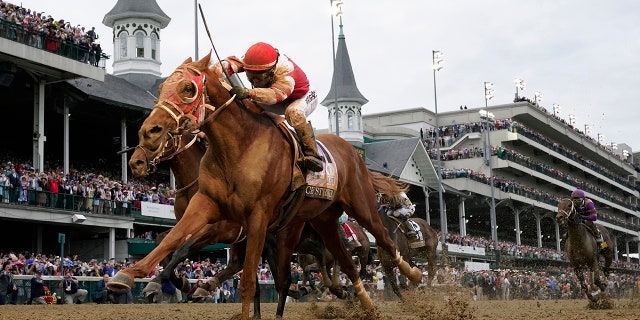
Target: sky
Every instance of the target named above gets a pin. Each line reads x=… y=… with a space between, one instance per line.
x=581 y=55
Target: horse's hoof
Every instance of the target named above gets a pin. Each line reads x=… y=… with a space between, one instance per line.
x=200 y=293
x=121 y=280
x=151 y=287
x=415 y=275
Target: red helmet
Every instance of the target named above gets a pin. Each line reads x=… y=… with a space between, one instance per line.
x=577 y=193
x=260 y=57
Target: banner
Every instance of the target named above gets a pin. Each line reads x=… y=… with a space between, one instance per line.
x=157 y=210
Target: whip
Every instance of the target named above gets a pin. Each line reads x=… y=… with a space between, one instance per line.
x=236 y=79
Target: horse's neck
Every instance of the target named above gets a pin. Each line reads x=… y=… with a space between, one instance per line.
x=186 y=165
x=237 y=132
x=576 y=229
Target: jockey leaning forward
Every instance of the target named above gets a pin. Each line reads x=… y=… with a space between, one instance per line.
x=279 y=86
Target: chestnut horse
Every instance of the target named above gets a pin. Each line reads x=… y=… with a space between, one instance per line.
x=429 y=235
x=247 y=175
x=582 y=249
x=183 y=154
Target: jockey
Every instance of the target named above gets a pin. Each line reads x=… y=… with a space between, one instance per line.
x=402 y=209
x=348 y=235
x=587 y=211
x=279 y=86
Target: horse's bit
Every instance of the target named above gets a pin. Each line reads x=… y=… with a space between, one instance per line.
x=566 y=214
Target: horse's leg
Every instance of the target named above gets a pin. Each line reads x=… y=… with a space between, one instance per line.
x=429 y=250
x=363 y=209
x=389 y=272
x=205 y=236
x=201 y=210
x=327 y=226
x=256 y=231
x=585 y=288
x=285 y=239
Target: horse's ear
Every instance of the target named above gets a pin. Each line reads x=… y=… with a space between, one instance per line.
x=203 y=63
x=188 y=60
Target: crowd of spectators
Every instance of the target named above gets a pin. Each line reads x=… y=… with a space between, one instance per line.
x=42 y=31
x=91 y=191
x=528 y=283
x=450 y=134
x=526 y=161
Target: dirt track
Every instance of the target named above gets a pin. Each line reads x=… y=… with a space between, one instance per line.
x=415 y=307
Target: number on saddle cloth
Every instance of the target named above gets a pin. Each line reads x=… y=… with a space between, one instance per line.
x=323 y=184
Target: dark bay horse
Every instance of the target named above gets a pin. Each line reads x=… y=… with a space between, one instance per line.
x=328 y=266
x=246 y=177
x=428 y=248
x=582 y=249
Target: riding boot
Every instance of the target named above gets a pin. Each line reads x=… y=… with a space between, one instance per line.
x=411 y=234
x=600 y=239
x=311 y=158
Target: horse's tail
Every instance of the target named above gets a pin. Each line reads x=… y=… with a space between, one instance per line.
x=387 y=185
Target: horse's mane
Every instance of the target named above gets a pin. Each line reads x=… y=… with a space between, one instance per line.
x=388 y=187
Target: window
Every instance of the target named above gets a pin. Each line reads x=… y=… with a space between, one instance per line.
x=350 y=120
x=123 y=44
x=339 y=119
x=139 y=45
x=154 y=43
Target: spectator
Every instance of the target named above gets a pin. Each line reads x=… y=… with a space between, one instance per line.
x=7 y=286
x=37 y=289
x=72 y=294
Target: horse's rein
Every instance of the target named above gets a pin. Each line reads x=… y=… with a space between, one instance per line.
x=568 y=214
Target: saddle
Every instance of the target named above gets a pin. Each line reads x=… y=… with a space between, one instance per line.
x=315 y=185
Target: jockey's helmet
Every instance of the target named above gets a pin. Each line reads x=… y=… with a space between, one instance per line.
x=577 y=193
x=260 y=57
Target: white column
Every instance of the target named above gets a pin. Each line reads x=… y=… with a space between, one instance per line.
x=426 y=205
x=65 y=119
x=516 y=216
x=539 y=230
x=626 y=249
x=555 y=223
x=38 y=126
x=123 y=145
x=462 y=218
x=112 y=243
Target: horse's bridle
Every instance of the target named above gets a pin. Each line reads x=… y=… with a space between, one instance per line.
x=197 y=103
x=171 y=148
x=566 y=215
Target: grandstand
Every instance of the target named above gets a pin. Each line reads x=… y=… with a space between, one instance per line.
x=69 y=116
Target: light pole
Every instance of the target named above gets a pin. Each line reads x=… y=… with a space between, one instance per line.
x=587 y=129
x=537 y=97
x=519 y=85
x=600 y=138
x=336 y=10
x=486 y=116
x=437 y=66
x=556 y=109
x=572 y=119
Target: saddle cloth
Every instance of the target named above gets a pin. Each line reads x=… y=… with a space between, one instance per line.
x=323 y=184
